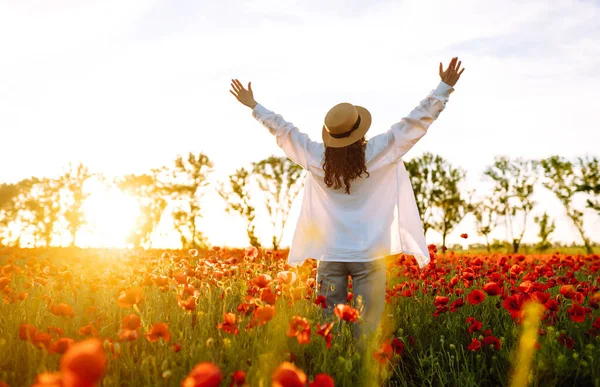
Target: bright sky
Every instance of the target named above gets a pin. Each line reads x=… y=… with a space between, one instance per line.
x=125 y=86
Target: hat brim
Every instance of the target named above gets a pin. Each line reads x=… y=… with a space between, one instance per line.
x=365 y=124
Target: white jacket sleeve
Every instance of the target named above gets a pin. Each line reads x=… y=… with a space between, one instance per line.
x=296 y=145
x=404 y=135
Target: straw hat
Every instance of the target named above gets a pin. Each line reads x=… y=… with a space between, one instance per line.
x=345 y=124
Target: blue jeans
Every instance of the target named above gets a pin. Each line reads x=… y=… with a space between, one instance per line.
x=368 y=286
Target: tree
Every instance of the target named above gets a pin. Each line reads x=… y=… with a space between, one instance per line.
x=514 y=185
x=590 y=181
x=42 y=207
x=423 y=172
x=546 y=228
x=73 y=181
x=485 y=219
x=560 y=178
x=189 y=178
x=150 y=194
x=451 y=206
x=8 y=196
x=279 y=179
x=238 y=199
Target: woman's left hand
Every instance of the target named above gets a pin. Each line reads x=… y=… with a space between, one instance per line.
x=246 y=97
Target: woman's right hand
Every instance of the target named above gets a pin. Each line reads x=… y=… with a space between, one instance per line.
x=246 y=97
x=451 y=75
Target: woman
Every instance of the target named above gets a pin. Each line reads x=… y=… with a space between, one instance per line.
x=358 y=205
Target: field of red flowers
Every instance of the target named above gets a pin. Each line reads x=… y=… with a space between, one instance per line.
x=224 y=317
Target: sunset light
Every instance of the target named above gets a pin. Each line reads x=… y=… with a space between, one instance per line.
x=110 y=215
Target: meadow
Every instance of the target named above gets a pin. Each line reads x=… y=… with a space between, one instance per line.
x=243 y=317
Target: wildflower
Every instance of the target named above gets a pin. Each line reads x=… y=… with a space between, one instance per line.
x=322 y=380
x=288 y=375
x=384 y=352
x=492 y=289
x=27 y=331
x=346 y=312
x=475 y=345
x=262 y=280
x=492 y=340
x=230 y=324
x=204 y=374
x=157 y=331
x=577 y=313
x=263 y=314
x=62 y=310
x=475 y=297
x=130 y=297
x=61 y=345
x=238 y=378
x=325 y=331
x=299 y=328
x=321 y=301
x=83 y=364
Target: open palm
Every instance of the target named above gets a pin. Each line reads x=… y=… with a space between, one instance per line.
x=451 y=75
x=246 y=97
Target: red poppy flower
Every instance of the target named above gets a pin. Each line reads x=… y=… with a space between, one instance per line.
x=577 y=313
x=157 y=331
x=62 y=309
x=27 y=331
x=322 y=380
x=263 y=314
x=475 y=325
x=4 y=282
x=83 y=364
x=262 y=280
x=45 y=379
x=204 y=374
x=566 y=341
x=526 y=287
x=288 y=375
x=397 y=346
x=61 y=345
x=325 y=331
x=492 y=289
x=475 y=345
x=346 y=312
x=88 y=330
x=440 y=300
x=299 y=328
x=540 y=297
x=492 y=340
x=230 y=324
x=464 y=236
x=514 y=305
x=321 y=301
x=475 y=297
x=131 y=321
x=384 y=353
x=130 y=297
x=457 y=304
x=238 y=378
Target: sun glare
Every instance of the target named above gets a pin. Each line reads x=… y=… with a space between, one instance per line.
x=110 y=216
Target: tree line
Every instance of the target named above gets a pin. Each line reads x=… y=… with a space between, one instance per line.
x=45 y=207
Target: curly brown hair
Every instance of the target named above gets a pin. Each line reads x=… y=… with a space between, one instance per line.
x=346 y=163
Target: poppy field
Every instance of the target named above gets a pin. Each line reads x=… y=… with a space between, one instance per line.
x=243 y=317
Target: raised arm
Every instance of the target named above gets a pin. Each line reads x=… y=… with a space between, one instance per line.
x=296 y=145
x=404 y=135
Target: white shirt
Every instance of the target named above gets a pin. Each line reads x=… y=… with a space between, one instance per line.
x=380 y=216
